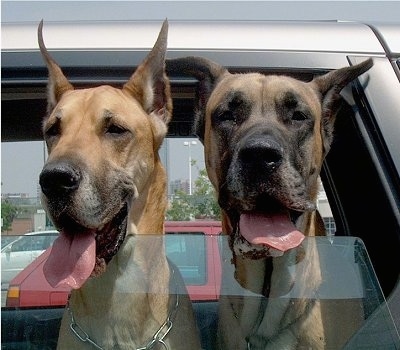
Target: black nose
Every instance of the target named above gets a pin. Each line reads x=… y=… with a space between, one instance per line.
x=264 y=154
x=59 y=178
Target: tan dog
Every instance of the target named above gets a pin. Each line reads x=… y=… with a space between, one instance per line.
x=105 y=189
x=265 y=138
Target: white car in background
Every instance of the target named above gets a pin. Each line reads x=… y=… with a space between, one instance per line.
x=16 y=255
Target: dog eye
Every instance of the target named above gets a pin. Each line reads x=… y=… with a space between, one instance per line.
x=115 y=129
x=299 y=116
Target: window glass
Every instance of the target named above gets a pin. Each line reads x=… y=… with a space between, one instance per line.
x=187 y=251
x=22 y=245
x=349 y=284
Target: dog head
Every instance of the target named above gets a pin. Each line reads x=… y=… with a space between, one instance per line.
x=103 y=147
x=265 y=137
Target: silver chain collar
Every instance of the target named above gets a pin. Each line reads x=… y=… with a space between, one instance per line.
x=158 y=337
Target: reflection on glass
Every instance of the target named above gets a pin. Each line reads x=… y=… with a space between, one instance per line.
x=322 y=294
x=325 y=288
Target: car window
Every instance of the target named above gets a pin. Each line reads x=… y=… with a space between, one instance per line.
x=5 y=240
x=32 y=242
x=187 y=251
x=343 y=259
x=24 y=244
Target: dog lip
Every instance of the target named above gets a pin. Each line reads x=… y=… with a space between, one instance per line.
x=111 y=236
x=67 y=224
x=294 y=215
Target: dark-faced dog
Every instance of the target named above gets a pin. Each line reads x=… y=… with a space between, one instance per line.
x=104 y=188
x=265 y=138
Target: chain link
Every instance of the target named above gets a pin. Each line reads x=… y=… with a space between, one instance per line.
x=164 y=329
x=158 y=337
x=79 y=332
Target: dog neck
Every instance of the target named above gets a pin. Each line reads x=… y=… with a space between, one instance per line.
x=137 y=277
x=147 y=213
x=310 y=223
x=128 y=285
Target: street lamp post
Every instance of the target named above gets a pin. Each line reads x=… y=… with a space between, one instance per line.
x=189 y=144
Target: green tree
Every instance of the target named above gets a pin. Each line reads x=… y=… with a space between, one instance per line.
x=202 y=204
x=8 y=213
x=180 y=208
x=205 y=198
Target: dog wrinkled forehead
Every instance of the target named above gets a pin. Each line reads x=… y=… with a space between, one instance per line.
x=235 y=84
x=260 y=98
x=260 y=88
x=99 y=108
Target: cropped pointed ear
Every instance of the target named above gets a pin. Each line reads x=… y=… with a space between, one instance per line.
x=58 y=83
x=329 y=87
x=207 y=73
x=149 y=84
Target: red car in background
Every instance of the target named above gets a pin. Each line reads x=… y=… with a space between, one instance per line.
x=191 y=245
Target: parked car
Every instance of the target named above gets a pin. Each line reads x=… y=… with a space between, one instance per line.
x=361 y=175
x=16 y=255
x=191 y=245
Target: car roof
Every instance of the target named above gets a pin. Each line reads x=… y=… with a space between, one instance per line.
x=333 y=36
x=388 y=34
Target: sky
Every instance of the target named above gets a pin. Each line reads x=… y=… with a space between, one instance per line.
x=21 y=163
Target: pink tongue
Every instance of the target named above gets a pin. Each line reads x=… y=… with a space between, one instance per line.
x=71 y=260
x=275 y=231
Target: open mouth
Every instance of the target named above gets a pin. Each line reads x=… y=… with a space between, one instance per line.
x=110 y=238
x=80 y=252
x=270 y=230
x=263 y=232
